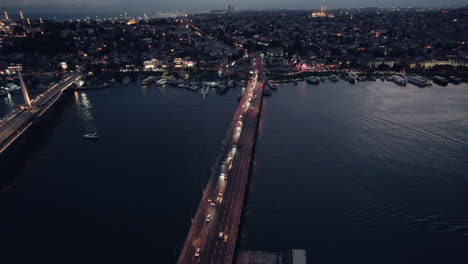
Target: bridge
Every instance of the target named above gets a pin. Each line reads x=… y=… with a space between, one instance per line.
x=21 y=118
x=220 y=208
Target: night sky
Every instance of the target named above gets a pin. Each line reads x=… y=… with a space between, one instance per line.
x=200 y=5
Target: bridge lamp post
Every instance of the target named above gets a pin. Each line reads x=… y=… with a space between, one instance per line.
x=23 y=86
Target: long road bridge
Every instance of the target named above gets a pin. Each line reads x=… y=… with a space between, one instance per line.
x=21 y=118
x=214 y=229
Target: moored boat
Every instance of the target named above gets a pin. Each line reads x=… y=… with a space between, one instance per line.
x=440 y=81
x=148 y=80
x=419 y=81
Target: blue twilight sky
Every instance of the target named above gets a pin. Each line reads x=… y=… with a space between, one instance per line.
x=200 y=5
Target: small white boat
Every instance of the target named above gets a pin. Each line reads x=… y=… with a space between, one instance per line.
x=93 y=135
x=205 y=90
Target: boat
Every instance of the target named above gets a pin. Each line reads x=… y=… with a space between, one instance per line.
x=126 y=80
x=440 y=81
x=272 y=84
x=382 y=78
x=231 y=84
x=371 y=78
x=419 y=81
x=398 y=80
x=112 y=80
x=205 y=90
x=12 y=88
x=193 y=87
x=334 y=78
x=183 y=85
x=454 y=80
x=148 y=80
x=161 y=82
x=323 y=79
x=93 y=86
x=312 y=80
x=295 y=82
x=93 y=135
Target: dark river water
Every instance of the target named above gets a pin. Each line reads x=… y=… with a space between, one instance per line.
x=370 y=173
x=365 y=173
x=127 y=198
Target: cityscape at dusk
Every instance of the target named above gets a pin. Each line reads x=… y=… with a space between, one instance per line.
x=233 y=132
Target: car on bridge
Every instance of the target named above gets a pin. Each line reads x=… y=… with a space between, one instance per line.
x=197 y=253
x=208 y=218
x=226 y=237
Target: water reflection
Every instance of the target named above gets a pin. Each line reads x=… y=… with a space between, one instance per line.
x=9 y=101
x=83 y=109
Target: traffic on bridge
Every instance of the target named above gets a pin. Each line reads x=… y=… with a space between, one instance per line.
x=214 y=230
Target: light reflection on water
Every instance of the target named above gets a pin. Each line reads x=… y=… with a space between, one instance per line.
x=84 y=110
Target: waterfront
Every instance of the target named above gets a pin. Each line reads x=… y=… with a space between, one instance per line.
x=125 y=198
x=365 y=173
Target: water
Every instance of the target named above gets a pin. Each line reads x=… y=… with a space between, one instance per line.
x=365 y=173
x=127 y=198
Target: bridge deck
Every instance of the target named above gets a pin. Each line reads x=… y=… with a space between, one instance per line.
x=226 y=214
x=19 y=123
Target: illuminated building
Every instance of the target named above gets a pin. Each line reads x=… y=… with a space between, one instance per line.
x=321 y=13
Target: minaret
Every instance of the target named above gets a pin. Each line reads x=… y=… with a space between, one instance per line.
x=40 y=21
x=5 y=13
x=29 y=21
x=21 y=14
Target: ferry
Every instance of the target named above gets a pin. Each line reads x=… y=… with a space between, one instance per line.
x=205 y=90
x=398 y=80
x=12 y=88
x=440 y=81
x=126 y=80
x=419 y=81
x=148 y=80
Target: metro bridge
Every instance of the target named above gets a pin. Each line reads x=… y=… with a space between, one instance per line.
x=20 y=119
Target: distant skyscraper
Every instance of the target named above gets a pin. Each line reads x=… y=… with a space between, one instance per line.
x=21 y=14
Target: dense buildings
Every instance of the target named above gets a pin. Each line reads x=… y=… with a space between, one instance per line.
x=187 y=46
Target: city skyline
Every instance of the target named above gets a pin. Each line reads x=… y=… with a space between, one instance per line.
x=70 y=6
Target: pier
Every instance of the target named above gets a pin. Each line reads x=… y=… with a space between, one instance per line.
x=214 y=230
